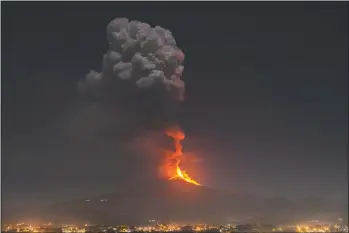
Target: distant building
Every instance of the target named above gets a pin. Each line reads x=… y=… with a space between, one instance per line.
x=187 y=229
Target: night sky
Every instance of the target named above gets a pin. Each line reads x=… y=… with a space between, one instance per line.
x=266 y=98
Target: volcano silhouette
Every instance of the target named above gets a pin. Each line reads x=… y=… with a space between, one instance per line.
x=176 y=201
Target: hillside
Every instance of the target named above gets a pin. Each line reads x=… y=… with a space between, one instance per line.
x=182 y=202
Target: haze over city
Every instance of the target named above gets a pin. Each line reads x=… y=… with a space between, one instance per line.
x=243 y=106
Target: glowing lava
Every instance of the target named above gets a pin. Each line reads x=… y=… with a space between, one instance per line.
x=173 y=159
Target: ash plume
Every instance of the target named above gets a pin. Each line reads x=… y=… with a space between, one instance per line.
x=141 y=73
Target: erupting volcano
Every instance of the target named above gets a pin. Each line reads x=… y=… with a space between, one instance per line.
x=173 y=158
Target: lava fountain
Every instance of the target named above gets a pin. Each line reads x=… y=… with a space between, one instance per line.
x=173 y=158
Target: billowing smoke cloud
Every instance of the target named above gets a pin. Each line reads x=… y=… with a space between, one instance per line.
x=141 y=72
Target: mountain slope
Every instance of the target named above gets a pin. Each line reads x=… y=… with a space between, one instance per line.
x=181 y=202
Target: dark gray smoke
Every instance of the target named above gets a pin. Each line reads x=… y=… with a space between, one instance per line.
x=141 y=71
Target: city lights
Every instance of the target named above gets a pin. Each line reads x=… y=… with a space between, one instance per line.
x=156 y=226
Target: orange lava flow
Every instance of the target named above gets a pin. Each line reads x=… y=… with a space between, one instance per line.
x=174 y=158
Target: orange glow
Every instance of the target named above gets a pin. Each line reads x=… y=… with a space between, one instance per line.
x=173 y=158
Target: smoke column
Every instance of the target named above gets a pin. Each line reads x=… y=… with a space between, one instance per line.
x=141 y=72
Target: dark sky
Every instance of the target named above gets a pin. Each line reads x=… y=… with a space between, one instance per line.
x=266 y=102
